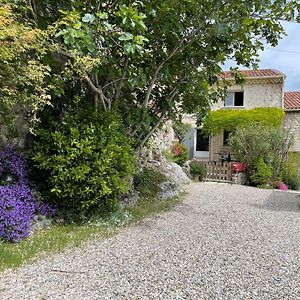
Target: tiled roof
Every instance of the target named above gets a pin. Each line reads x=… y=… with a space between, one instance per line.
x=292 y=100
x=255 y=73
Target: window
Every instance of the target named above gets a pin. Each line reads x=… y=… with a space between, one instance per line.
x=226 y=137
x=202 y=142
x=234 y=99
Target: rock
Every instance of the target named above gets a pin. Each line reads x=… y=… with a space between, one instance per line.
x=168 y=190
x=175 y=179
x=131 y=199
x=41 y=222
x=156 y=154
x=175 y=173
x=187 y=169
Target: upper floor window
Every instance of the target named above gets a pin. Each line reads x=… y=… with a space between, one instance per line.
x=234 y=99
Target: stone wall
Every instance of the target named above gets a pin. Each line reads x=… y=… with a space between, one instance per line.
x=292 y=121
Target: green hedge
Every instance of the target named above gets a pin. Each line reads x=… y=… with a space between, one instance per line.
x=230 y=119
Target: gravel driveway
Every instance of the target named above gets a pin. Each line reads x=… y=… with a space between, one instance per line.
x=223 y=242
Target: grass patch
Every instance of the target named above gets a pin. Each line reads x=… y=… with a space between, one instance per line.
x=146 y=208
x=54 y=239
x=147 y=183
x=59 y=237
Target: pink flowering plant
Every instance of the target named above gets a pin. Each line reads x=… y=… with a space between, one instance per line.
x=18 y=205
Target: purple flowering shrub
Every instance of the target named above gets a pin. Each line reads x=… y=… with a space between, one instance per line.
x=18 y=204
x=10 y=162
x=17 y=210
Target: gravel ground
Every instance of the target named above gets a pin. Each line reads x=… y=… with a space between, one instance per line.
x=223 y=242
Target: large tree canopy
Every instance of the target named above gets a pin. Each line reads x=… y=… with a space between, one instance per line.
x=151 y=60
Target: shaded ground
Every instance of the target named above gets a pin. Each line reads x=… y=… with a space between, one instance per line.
x=223 y=242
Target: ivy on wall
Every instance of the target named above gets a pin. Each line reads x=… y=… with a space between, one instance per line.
x=230 y=119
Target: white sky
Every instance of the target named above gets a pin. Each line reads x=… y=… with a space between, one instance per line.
x=281 y=59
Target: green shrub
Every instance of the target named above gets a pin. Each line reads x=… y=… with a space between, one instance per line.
x=87 y=159
x=179 y=153
x=261 y=174
x=257 y=141
x=147 y=182
x=198 y=168
x=290 y=174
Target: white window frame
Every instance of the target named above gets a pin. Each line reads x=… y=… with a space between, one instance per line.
x=232 y=100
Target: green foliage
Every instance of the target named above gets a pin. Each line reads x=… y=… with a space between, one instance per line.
x=260 y=142
x=152 y=60
x=231 y=119
x=261 y=174
x=147 y=183
x=198 y=168
x=87 y=158
x=290 y=174
x=179 y=153
x=23 y=86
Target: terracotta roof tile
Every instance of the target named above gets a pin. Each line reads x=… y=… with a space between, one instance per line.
x=255 y=73
x=292 y=100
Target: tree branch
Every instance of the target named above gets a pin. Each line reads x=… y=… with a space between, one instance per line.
x=112 y=4
x=98 y=6
x=156 y=72
x=153 y=129
x=112 y=82
x=33 y=10
x=119 y=87
x=97 y=90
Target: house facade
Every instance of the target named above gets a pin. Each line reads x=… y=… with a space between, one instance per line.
x=261 y=88
x=292 y=116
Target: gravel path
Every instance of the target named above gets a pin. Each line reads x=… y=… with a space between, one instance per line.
x=223 y=242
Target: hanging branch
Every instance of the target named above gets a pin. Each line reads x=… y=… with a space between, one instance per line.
x=156 y=72
x=97 y=90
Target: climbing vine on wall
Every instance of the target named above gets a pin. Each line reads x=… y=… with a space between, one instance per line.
x=230 y=119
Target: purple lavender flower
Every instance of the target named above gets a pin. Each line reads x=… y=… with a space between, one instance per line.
x=45 y=209
x=10 y=162
x=18 y=205
x=17 y=210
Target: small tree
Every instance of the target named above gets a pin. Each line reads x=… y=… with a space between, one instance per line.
x=260 y=142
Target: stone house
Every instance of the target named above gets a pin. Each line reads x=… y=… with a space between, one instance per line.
x=261 y=88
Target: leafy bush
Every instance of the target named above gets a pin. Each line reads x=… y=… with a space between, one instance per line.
x=179 y=153
x=198 y=168
x=254 y=142
x=261 y=174
x=87 y=158
x=290 y=174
